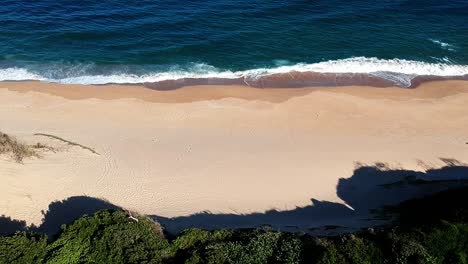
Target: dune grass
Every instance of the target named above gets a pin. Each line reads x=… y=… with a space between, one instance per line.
x=17 y=150
x=71 y=143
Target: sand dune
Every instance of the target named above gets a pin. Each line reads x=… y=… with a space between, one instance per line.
x=226 y=149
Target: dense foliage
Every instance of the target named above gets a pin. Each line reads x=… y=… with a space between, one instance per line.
x=115 y=237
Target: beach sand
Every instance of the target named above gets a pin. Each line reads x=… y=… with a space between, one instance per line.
x=225 y=149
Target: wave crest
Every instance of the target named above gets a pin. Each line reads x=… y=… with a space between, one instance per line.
x=398 y=71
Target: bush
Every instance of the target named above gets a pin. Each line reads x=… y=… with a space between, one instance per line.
x=448 y=243
x=108 y=237
x=256 y=247
x=190 y=242
x=23 y=248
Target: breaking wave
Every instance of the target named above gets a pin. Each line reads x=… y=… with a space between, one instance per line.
x=398 y=71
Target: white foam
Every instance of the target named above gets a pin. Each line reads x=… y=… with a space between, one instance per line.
x=18 y=74
x=444 y=45
x=397 y=70
x=371 y=65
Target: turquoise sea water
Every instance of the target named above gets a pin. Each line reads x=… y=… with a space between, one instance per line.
x=110 y=41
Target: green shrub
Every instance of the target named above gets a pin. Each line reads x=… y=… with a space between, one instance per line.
x=23 y=248
x=448 y=242
x=189 y=242
x=262 y=247
x=331 y=254
x=289 y=249
x=359 y=251
x=406 y=249
x=108 y=237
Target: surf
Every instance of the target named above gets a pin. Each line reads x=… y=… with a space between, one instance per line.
x=400 y=72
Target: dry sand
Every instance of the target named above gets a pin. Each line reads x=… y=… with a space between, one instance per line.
x=219 y=148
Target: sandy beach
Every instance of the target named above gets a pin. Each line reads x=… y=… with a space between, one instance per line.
x=223 y=149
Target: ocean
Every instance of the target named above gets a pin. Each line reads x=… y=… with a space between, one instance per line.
x=257 y=42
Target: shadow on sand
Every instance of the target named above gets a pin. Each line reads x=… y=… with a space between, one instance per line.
x=58 y=213
x=369 y=189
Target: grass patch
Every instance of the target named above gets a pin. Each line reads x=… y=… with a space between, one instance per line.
x=17 y=150
x=40 y=146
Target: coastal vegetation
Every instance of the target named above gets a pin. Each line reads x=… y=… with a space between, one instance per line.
x=18 y=150
x=433 y=229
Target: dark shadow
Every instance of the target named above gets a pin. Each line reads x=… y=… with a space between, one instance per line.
x=369 y=189
x=320 y=213
x=9 y=226
x=58 y=214
x=68 y=210
x=450 y=205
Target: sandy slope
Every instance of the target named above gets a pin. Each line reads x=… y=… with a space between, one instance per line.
x=223 y=149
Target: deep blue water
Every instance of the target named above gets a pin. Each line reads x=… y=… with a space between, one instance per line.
x=99 y=41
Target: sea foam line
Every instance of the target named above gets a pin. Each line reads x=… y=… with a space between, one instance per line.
x=444 y=45
x=398 y=70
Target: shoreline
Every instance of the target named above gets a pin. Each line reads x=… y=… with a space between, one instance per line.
x=306 y=79
x=355 y=71
x=193 y=93
x=225 y=149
